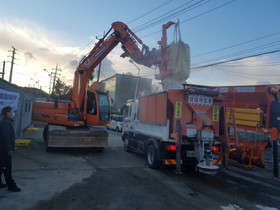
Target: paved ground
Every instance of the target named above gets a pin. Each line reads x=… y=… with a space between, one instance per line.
x=41 y=175
x=115 y=179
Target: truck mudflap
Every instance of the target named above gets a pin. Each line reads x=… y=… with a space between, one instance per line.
x=60 y=136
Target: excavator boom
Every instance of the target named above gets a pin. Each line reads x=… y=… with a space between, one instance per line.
x=121 y=34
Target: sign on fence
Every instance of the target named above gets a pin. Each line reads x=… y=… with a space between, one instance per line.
x=9 y=98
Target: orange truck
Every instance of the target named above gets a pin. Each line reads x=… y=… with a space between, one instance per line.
x=176 y=126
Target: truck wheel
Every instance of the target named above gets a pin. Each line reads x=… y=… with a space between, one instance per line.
x=117 y=129
x=126 y=144
x=151 y=156
x=48 y=149
x=45 y=132
x=98 y=149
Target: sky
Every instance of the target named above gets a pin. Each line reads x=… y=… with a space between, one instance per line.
x=57 y=34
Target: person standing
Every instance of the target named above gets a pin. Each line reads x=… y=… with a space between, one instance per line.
x=7 y=145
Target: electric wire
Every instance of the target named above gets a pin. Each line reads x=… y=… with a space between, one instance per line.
x=138 y=31
x=195 y=16
x=251 y=50
x=88 y=45
x=131 y=21
x=236 y=59
x=242 y=43
x=243 y=73
x=161 y=18
x=251 y=78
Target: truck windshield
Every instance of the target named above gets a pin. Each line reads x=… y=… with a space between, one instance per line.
x=104 y=108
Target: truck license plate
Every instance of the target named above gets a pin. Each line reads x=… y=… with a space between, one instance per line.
x=190 y=153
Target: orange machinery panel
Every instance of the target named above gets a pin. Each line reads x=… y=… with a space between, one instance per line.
x=153 y=108
x=252 y=97
x=151 y=111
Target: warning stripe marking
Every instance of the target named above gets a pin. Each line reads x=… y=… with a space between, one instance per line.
x=171 y=162
x=217 y=162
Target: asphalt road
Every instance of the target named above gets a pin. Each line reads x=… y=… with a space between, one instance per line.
x=115 y=179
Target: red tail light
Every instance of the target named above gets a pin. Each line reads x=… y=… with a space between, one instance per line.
x=215 y=148
x=171 y=147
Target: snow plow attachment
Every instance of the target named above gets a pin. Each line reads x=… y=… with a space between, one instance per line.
x=249 y=152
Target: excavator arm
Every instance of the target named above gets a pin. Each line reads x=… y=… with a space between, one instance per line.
x=121 y=34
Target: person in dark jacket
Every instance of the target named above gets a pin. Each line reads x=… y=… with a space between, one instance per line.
x=7 y=145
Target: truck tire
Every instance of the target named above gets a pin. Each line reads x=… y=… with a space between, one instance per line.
x=45 y=133
x=48 y=149
x=151 y=156
x=117 y=129
x=98 y=149
x=126 y=144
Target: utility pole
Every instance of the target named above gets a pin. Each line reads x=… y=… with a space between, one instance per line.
x=3 y=71
x=50 y=75
x=12 y=64
x=54 y=78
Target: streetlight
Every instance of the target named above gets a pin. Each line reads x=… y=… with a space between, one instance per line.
x=50 y=75
x=36 y=81
x=136 y=89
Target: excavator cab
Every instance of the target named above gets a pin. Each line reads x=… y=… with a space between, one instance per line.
x=98 y=108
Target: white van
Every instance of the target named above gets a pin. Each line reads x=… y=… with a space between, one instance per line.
x=116 y=122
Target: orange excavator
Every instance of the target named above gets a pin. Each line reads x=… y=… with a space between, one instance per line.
x=77 y=123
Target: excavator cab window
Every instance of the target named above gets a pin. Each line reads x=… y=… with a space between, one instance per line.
x=91 y=104
x=104 y=107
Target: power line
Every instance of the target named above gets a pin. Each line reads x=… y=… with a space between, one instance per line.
x=76 y=55
x=161 y=18
x=253 y=66
x=254 y=49
x=195 y=16
x=237 y=59
x=148 y=12
x=242 y=75
x=211 y=10
x=242 y=43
